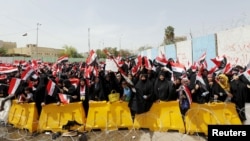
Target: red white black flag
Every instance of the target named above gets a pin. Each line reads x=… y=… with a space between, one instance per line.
x=15 y=83
x=64 y=98
x=177 y=67
x=161 y=59
x=51 y=88
x=74 y=82
x=245 y=76
x=63 y=59
x=4 y=70
x=27 y=73
x=188 y=94
x=91 y=58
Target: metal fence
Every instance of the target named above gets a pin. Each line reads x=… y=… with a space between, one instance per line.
x=44 y=59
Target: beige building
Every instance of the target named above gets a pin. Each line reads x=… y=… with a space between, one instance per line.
x=9 y=46
x=37 y=52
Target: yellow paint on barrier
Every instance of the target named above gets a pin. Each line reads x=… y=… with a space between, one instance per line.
x=23 y=116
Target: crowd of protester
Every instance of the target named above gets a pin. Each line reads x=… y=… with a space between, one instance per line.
x=140 y=89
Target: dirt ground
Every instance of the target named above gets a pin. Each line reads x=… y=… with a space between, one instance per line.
x=8 y=133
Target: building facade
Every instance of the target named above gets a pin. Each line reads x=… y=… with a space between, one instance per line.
x=37 y=52
x=8 y=46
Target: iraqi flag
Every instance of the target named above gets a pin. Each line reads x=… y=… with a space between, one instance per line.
x=51 y=88
x=146 y=63
x=138 y=63
x=27 y=73
x=126 y=77
x=178 y=68
x=201 y=81
x=4 y=70
x=63 y=59
x=3 y=77
x=91 y=58
x=74 y=82
x=161 y=59
x=202 y=61
x=64 y=98
x=15 y=83
x=188 y=94
x=220 y=62
x=245 y=76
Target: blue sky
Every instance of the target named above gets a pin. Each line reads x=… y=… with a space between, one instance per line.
x=126 y=24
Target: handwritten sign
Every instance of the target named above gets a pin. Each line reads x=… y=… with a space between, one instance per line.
x=235 y=45
x=184 y=52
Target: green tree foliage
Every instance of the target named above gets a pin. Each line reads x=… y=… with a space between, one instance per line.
x=123 y=53
x=71 y=51
x=3 y=52
x=169 y=35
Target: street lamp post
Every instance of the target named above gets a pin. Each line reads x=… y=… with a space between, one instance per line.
x=37 y=28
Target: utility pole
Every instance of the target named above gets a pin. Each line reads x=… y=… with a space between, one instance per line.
x=37 y=28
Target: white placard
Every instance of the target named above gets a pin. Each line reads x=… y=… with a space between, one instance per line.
x=111 y=65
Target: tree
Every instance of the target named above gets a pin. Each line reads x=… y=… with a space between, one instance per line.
x=123 y=53
x=169 y=35
x=100 y=53
x=71 y=51
x=3 y=51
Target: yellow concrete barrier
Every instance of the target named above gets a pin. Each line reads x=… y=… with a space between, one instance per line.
x=104 y=115
x=121 y=115
x=54 y=117
x=23 y=116
x=162 y=116
x=100 y=117
x=199 y=116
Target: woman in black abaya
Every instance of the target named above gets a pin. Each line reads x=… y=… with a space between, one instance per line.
x=239 y=91
x=142 y=99
x=164 y=89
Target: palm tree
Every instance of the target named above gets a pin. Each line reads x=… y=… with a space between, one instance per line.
x=169 y=35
